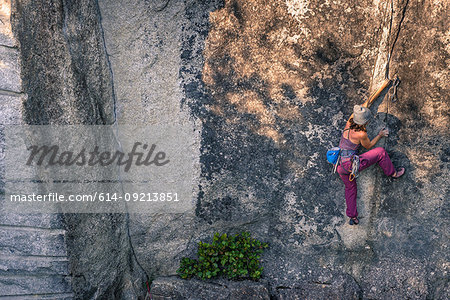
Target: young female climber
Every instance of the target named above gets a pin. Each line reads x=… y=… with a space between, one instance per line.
x=355 y=134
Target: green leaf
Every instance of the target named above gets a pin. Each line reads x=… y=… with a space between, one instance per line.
x=234 y=256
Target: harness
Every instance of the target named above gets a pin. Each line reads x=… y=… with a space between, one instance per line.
x=355 y=168
x=347 y=153
x=351 y=154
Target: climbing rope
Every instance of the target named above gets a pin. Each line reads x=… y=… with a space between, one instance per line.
x=388 y=62
x=386 y=74
x=396 y=35
x=396 y=80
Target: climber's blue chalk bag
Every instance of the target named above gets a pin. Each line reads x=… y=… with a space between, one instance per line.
x=333 y=155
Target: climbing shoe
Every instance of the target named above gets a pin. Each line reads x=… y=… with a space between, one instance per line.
x=399 y=173
x=353 y=221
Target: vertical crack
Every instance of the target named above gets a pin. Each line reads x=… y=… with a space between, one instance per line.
x=111 y=73
x=397 y=34
x=119 y=145
x=95 y=105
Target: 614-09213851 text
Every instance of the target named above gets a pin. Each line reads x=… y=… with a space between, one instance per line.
x=101 y=197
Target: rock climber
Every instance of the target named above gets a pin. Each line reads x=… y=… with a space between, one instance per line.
x=355 y=134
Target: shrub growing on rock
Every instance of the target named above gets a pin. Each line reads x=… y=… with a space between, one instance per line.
x=234 y=256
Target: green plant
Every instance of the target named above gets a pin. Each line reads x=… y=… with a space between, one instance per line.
x=234 y=256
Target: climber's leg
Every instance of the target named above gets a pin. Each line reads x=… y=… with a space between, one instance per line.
x=350 y=192
x=377 y=155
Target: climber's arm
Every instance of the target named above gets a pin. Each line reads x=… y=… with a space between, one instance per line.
x=369 y=143
x=364 y=139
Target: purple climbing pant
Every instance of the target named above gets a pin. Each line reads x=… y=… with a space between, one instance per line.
x=377 y=155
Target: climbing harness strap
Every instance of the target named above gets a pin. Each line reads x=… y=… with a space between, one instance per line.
x=348 y=153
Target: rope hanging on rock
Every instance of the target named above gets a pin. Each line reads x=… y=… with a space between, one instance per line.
x=396 y=80
x=386 y=76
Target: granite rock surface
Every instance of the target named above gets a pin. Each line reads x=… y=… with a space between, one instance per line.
x=265 y=88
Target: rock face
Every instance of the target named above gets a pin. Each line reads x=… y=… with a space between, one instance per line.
x=64 y=63
x=177 y=288
x=33 y=253
x=66 y=75
x=266 y=87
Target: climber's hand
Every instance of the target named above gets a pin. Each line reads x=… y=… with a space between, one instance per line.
x=384 y=132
